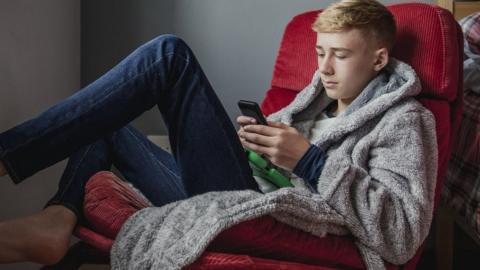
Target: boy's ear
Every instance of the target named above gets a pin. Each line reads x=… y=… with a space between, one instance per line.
x=381 y=59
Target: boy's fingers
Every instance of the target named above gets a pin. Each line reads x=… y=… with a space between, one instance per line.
x=259 y=149
x=244 y=120
x=256 y=138
x=277 y=124
x=261 y=129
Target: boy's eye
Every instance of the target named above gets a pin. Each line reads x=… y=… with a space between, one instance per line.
x=321 y=54
x=340 y=56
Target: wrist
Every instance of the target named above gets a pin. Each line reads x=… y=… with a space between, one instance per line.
x=310 y=166
x=301 y=153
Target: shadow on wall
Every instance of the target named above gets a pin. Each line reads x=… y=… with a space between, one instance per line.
x=112 y=29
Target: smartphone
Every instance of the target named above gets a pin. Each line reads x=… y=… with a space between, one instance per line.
x=251 y=109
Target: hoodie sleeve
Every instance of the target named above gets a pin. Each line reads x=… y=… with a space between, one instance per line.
x=386 y=195
x=310 y=166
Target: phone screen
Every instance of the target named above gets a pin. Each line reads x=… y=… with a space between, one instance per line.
x=251 y=109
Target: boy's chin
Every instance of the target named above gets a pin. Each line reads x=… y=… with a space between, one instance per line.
x=331 y=93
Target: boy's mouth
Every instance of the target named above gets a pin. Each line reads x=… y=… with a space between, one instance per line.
x=329 y=84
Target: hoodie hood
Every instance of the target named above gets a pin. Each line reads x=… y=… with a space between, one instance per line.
x=397 y=82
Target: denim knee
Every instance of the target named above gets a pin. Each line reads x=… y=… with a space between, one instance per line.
x=169 y=44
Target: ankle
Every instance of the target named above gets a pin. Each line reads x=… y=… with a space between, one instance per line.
x=61 y=213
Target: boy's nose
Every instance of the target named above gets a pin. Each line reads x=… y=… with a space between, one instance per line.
x=326 y=67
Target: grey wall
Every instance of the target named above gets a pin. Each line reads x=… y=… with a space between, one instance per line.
x=111 y=29
x=39 y=66
x=236 y=42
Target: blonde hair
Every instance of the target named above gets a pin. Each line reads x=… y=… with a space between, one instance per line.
x=369 y=16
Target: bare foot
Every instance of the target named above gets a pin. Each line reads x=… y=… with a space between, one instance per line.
x=42 y=238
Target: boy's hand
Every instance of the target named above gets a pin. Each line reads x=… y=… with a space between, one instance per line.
x=284 y=146
x=244 y=121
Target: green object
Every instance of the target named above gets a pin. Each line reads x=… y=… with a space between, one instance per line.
x=267 y=171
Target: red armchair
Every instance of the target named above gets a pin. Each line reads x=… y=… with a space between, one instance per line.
x=428 y=38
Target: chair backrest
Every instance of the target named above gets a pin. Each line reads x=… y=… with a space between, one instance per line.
x=428 y=38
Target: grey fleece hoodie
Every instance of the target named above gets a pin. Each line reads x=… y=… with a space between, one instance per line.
x=377 y=184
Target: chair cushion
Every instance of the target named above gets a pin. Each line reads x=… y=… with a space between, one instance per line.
x=99 y=242
x=267 y=238
x=109 y=202
x=223 y=261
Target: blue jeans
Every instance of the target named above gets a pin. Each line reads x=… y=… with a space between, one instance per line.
x=92 y=128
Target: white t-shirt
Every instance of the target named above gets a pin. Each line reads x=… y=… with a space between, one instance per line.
x=321 y=123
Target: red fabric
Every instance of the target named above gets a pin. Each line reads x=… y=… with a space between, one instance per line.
x=222 y=261
x=424 y=40
x=267 y=238
x=277 y=98
x=108 y=203
x=100 y=242
x=441 y=111
x=432 y=52
x=263 y=237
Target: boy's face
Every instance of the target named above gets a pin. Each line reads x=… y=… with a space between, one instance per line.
x=347 y=62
